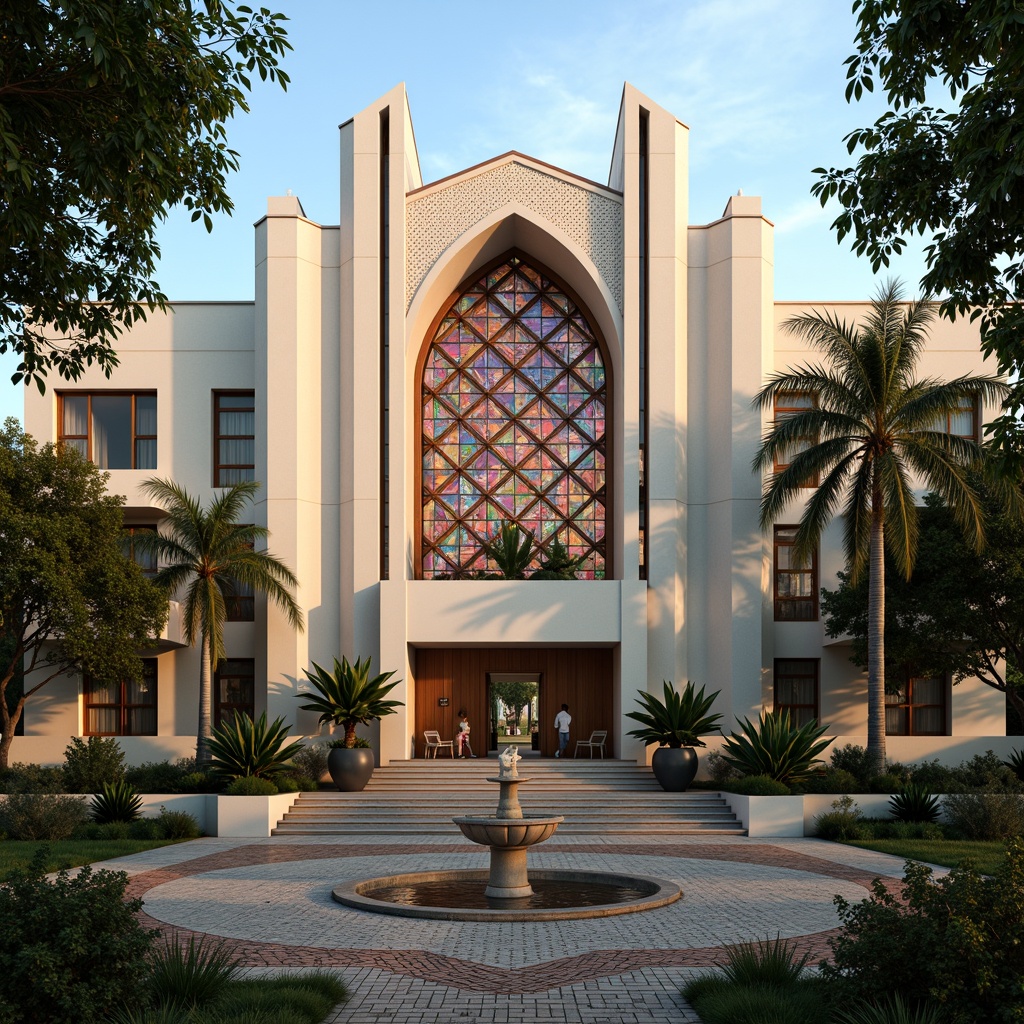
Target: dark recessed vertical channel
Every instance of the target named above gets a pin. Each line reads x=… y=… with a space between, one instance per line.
x=644 y=326
x=385 y=360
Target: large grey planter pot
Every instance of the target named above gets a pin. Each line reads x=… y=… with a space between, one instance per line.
x=675 y=767
x=350 y=768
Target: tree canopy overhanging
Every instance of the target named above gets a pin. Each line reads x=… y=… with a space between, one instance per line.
x=111 y=113
x=953 y=172
x=70 y=598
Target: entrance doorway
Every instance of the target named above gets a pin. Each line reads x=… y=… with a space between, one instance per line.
x=513 y=702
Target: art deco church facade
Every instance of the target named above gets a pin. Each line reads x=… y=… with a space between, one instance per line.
x=511 y=343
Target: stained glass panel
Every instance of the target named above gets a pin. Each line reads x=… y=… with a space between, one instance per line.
x=497 y=397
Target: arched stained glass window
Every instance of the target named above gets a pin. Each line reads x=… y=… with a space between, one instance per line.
x=514 y=397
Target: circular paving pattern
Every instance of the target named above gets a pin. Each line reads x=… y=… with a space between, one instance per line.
x=272 y=904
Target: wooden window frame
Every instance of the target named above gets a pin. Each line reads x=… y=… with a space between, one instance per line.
x=218 y=466
x=973 y=409
x=781 y=411
x=781 y=602
x=913 y=707
x=122 y=705
x=223 y=709
x=815 y=674
x=87 y=437
x=130 y=530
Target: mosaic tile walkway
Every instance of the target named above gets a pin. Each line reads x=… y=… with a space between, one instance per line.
x=269 y=900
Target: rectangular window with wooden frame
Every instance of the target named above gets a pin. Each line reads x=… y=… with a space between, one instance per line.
x=234 y=685
x=234 y=437
x=962 y=421
x=787 y=404
x=796 y=688
x=144 y=558
x=113 y=429
x=916 y=706
x=240 y=603
x=795 y=582
x=124 y=707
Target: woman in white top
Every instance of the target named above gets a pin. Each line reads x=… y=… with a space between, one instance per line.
x=462 y=736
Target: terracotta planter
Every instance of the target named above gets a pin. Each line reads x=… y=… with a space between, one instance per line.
x=674 y=768
x=350 y=768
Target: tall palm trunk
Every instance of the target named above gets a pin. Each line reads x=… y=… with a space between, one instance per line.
x=876 y=639
x=203 y=731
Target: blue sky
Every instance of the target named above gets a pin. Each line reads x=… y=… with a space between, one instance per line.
x=760 y=83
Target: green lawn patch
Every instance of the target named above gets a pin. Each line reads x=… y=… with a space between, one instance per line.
x=71 y=853
x=946 y=852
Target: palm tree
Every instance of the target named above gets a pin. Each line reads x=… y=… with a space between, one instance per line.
x=209 y=555
x=873 y=425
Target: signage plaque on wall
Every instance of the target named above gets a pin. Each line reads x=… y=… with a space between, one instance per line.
x=442 y=702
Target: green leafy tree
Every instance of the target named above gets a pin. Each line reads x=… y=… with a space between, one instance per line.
x=207 y=554
x=953 y=172
x=873 y=425
x=111 y=113
x=515 y=696
x=70 y=598
x=961 y=612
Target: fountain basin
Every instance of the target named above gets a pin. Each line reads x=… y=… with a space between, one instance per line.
x=624 y=894
x=490 y=830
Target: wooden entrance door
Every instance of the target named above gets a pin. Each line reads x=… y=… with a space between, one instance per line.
x=580 y=677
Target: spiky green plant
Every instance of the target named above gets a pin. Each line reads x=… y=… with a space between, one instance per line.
x=241 y=747
x=891 y=1010
x=192 y=973
x=914 y=803
x=116 y=801
x=557 y=563
x=511 y=549
x=350 y=696
x=1015 y=762
x=775 y=747
x=677 y=721
x=771 y=962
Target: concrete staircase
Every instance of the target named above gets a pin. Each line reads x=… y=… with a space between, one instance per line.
x=596 y=797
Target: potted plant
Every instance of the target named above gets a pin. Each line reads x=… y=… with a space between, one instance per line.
x=676 y=724
x=349 y=696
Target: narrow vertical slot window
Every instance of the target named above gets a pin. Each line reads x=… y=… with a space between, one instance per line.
x=644 y=340
x=385 y=360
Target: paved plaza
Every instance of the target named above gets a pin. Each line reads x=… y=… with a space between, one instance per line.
x=270 y=901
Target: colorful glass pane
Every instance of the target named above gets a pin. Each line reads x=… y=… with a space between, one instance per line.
x=497 y=397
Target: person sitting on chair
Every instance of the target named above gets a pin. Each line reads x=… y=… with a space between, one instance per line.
x=462 y=736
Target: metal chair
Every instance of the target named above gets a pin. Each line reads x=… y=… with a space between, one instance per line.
x=435 y=743
x=597 y=739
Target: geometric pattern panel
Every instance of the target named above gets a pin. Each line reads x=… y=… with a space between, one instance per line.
x=513 y=402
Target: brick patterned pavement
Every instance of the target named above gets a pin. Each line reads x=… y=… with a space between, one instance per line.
x=265 y=899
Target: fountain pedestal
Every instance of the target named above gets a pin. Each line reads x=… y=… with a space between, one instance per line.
x=509 y=833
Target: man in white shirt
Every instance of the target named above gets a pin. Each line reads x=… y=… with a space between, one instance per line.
x=562 y=720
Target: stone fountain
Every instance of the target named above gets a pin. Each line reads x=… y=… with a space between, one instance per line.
x=509 y=833
x=505 y=893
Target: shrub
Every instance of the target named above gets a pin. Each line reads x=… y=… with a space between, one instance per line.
x=888 y=828
x=187 y=975
x=90 y=763
x=362 y=743
x=32 y=778
x=764 y=962
x=957 y=940
x=311 y=762
x=891 y=1011
x=886 y=783
x=161 y=776
x=989 y=814
x=71 y=949
x=198 y=782
x=250 y=785
x=776 y=747
x=853 y=759
x=832 y=780
x=48 y=817
x=935 y=777
x=145 y=828
x=840 y=824
x=117 y=801
x=914 y=803
x=719 y=770
x=177 y=824
x=756 y=785
x=241 y=747
x=286 y=783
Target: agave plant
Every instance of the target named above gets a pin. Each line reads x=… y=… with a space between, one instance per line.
x=511 y=549
x=776 y=747
x=1015 y=762
x=349 y=696
x=242 y=747
x=677 y=721
x=558 y=564
x=117 y=801
x=914 y=803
